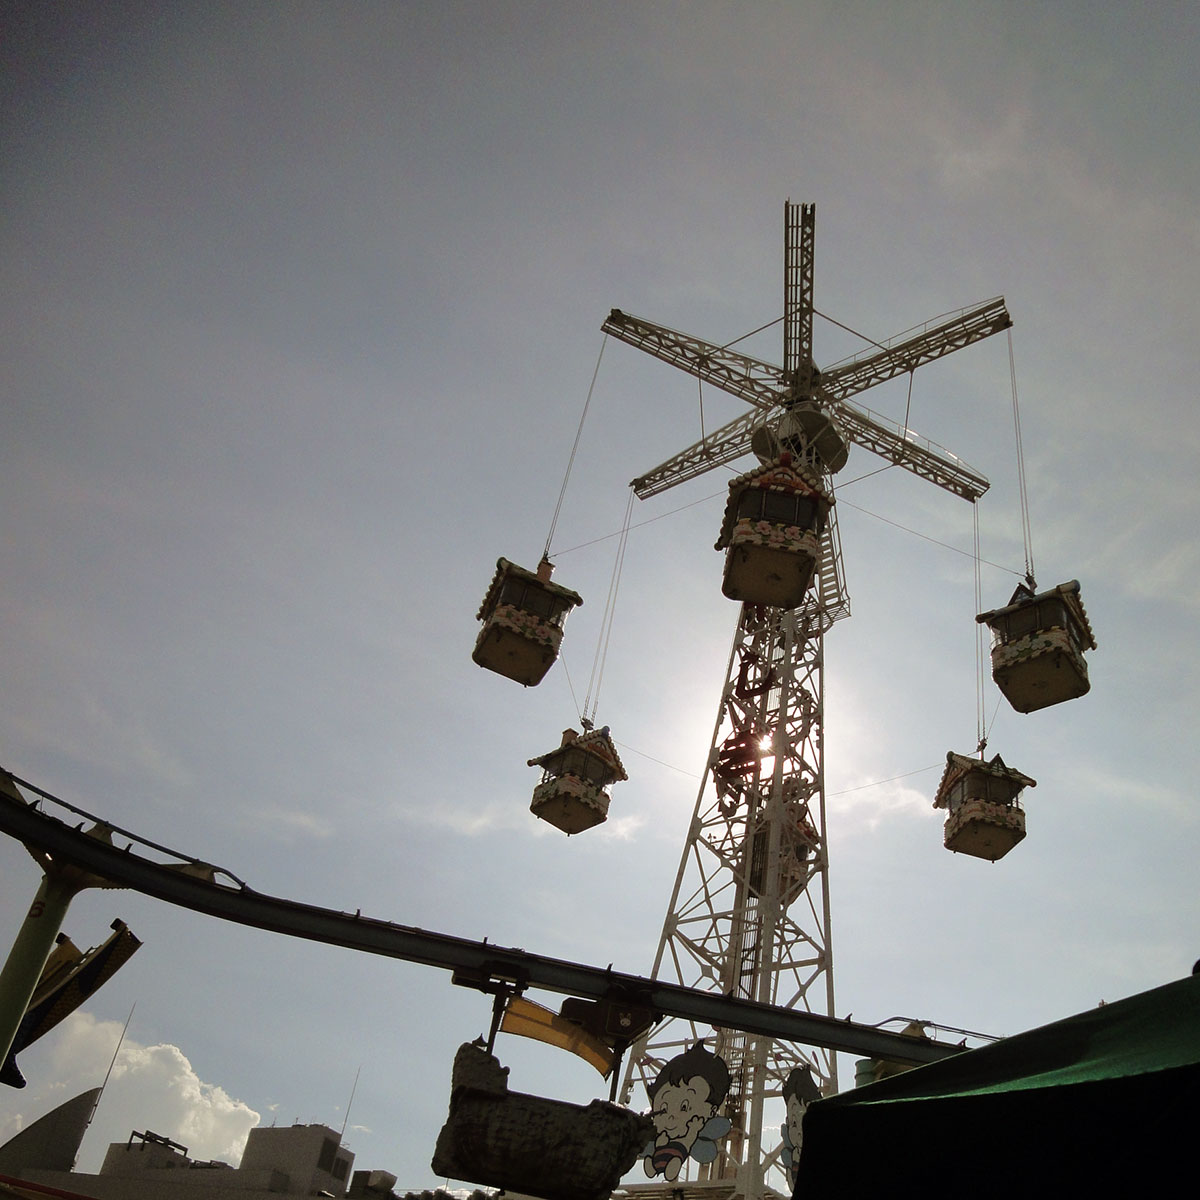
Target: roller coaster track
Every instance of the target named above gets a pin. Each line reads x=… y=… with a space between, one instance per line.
x=205 y=888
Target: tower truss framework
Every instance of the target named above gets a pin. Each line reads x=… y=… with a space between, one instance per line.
x=750 y=912
x=749 y=915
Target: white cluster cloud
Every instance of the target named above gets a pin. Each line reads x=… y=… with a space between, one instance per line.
x=152 y=1087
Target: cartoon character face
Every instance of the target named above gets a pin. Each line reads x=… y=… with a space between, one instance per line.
x=683 y=1101
x=799 y=1091
x=795 y=1115
x=682 y=1109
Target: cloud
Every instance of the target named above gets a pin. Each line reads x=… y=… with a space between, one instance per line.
x=623 y=829
x=287 y=825
x=1134 y=794
x=210 y=1122
x=973 y=158
x=866 y=805
x=497 y=818
x=153 y=1087
x=490 y=819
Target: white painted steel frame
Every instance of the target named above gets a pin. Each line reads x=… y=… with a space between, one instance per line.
x=749 y=915
x=747 y=918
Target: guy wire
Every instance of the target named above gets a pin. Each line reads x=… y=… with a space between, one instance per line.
x=980 y=649
x=592 y=698
x=571 y=459
x=1026 y=528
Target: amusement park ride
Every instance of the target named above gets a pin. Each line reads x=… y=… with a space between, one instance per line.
x=750 y=911
x=737 y=1019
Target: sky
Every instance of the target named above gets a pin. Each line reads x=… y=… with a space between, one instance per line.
x=299 y=308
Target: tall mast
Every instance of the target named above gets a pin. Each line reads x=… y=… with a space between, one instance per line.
x=749 y=915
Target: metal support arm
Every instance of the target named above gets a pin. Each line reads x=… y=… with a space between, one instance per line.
x=906 y=353
x=194 y=885
x=758 y=383
x=764 y=386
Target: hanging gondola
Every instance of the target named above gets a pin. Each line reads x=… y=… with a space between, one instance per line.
x=983 y=799
x=522 y=615
x=771 y=534
x=571 y=794
x=1038 y=643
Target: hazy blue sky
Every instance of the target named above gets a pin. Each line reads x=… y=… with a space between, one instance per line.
x=300 y=304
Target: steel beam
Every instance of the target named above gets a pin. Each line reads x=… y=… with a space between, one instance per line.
x=193 y=884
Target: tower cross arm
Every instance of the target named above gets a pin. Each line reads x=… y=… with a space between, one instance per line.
x=756 y=382
x=763 y=385
x=719 y=447
x=873 y=432
x=925 y=459
x=909 y=351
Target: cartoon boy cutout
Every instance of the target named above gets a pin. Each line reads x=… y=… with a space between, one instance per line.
x=799 y=1091
x=684 y=1100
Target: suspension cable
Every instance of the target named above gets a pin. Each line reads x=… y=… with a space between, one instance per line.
x=592 y=699
x=571 y=459
x=1026 y=528
x=980 y=646
x=604 y=537
x=869 y=340
x=744 y=336
x=844 y=503
x=562 y=658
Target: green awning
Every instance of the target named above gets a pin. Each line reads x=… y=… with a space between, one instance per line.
x=1108 y=1097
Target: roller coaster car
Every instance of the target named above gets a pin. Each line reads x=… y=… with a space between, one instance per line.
x=571 y=794
x=522 y=615
x=983 y=799
x=1038 y=642
x=771 y=535
x=532 y=1145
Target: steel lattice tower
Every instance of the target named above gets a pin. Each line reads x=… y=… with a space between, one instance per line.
x=750 y=910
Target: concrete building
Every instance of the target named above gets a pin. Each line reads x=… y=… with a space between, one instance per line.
x=296 y=1160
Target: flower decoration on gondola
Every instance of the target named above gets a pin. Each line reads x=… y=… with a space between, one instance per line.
x=522 y=615
x=1038 y=644
x=983 y=802
x=571 y=795
x=771 y=534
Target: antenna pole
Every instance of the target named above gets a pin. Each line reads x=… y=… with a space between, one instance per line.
x=108 y=1073
x=346 y=1118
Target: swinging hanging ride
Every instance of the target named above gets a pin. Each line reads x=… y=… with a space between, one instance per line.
x=983 y=801
x=1038 y=645
x=523 y=612
x=771 y=534
x=571 y=795
x=1038 y=642
x=523 y=615
x=761 y=838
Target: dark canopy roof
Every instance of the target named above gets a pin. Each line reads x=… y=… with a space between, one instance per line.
x=1105 y=1100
